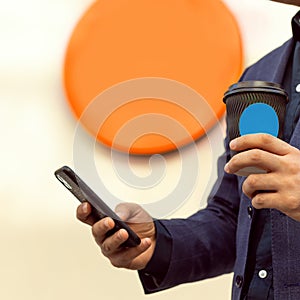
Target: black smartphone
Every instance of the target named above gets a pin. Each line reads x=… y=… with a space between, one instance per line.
x=85 y=194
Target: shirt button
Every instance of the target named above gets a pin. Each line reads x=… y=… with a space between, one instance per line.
x=298 y=88
x=262 y=274
x=250 y=211
x=239 y=281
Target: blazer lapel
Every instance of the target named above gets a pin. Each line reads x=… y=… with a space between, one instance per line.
x=272 y=67
x=281 y=62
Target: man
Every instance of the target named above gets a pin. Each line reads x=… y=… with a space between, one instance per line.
x=254 y=234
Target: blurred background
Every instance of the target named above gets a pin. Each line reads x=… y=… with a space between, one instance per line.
x=45 y=252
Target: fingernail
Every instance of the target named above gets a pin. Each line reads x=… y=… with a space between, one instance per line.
x=120 y=234
x=233 y=144
x=147 y=242
x=106 y=223
x=85 y=208
x=121 y=215
x=226 y=168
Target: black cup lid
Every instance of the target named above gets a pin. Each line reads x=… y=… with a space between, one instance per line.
x=255 y=86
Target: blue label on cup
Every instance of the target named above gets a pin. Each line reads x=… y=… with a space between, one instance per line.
x=259 y=118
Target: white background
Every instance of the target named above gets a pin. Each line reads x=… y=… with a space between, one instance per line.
x=45 y=252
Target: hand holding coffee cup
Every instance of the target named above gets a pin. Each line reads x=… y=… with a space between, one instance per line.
x=254 y=107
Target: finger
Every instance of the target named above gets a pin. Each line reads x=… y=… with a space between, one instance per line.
x=111 y=244
x=259 y=182
x=261 y=141
x=275 y=200
x=253 y=158
x=100 y=229
x=129 y=257
x=267 y=200
x=84 y=214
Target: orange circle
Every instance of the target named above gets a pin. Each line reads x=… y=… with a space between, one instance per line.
x=192 y=43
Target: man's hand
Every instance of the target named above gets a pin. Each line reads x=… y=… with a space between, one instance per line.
x=281 y=161
x=138 y=219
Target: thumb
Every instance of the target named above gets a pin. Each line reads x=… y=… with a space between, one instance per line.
x=126 y=210
x=132 y=212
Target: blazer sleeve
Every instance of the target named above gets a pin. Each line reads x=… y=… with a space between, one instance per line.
x=203 y=245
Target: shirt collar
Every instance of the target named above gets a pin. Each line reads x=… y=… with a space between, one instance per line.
x=296 y=26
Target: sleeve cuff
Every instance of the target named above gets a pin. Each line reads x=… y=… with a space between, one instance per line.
x=154 y=273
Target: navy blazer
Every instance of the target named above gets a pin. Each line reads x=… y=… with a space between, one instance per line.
x=215 y=240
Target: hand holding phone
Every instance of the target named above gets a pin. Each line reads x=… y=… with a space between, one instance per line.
x=99 y=208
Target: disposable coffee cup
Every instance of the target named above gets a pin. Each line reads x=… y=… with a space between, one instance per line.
x=254 y=107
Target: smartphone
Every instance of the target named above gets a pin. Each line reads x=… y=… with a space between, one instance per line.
x=84 y=193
